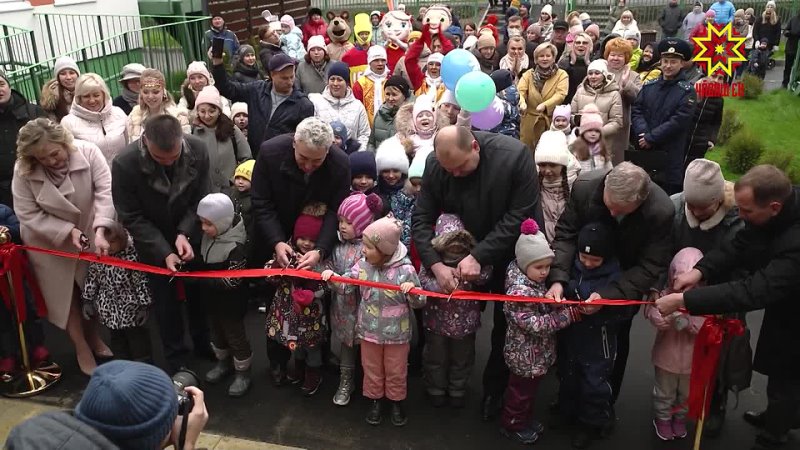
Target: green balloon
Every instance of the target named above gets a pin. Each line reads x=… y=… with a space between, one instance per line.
x=475 y=91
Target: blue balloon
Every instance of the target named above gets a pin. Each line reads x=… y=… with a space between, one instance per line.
x=456 y=64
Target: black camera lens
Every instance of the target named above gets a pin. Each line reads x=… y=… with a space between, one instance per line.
x=182 y=379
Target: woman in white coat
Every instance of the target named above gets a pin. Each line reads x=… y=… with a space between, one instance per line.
x=337 y=102
x=95 y=119
x=62 y=197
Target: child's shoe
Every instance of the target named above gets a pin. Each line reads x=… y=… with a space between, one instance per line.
x=297 y=374
x=458 y=402
x=312 y=381
x=664 y=429
x=7 y=365
x=222 y=368
x=679 y=428
x=399 y=418
x=241 y=382
x=374 y=415
x=437 y=400
x=39 y=355
x=585 y=435
x=278 y=375
x=528 y=436
x=346 y=388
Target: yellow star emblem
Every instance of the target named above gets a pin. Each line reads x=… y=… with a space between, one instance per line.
x=720 y=49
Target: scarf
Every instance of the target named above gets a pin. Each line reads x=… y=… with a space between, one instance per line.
x=320 y=68
x=132 y=98
x=377 y=87
x=433 y=86
x=515 y=66
x=56 y=176
x=541 y=75
x=553 y=204
x=594 y=149
x=645 y=66
x=250 y=71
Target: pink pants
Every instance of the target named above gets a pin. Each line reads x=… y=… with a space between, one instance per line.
x=385 y=370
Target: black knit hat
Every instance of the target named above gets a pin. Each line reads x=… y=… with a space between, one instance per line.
x=400 y=83
x=595 y=239
x=502 y=79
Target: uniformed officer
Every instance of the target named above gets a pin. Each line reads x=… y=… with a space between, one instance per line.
x=661 y=115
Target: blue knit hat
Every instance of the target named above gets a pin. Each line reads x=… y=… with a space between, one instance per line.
x=363 y=163
x=340 y=69
x=133 y=404
x=340 y=130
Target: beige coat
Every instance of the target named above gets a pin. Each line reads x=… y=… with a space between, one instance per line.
x=608 y=102
x=629 y=86
x=534 y=123
x=137 y=117
x=47 y=214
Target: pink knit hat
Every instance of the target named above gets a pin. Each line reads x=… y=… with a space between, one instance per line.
x=591 y=119
x=209 y=95
x=360 y=210
x=199 y=67
x=384 y=234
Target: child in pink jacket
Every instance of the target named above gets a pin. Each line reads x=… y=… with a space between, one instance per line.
x=672 y=355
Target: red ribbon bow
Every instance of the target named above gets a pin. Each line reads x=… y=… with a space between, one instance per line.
x=14 y=261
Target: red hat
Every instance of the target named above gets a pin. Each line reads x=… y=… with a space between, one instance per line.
x=307 y=226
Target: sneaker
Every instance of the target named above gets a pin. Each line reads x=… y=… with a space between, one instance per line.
x=527 y=436
x=312 y=381
x=399 y=417
x=374 y=416
x=679 y=428
x=297 y=373
x=664 y=429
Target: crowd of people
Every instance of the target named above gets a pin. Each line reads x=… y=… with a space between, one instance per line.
x=349 y=156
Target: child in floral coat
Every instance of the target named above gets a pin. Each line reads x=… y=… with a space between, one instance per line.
x=296 y=318
x=384 y=317
x=355 y=213
x=530 y=347
x=450 y=326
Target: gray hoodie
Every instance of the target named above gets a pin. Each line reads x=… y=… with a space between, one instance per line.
x=692 y=20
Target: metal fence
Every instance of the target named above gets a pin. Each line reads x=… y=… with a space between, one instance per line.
x=17 y=48
x=464 y=9
x=166 y=43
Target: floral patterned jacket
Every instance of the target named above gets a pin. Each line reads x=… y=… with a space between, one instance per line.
x=453 y=318
x=402 y=206
x=293 y=325
x=384 y=315
x=530 y=347
x=344 y=306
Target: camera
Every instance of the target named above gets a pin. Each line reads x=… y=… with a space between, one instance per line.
x=182 y=379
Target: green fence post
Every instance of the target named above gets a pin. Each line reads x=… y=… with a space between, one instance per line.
x=34 y=48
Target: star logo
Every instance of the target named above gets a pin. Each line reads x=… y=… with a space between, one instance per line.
x=720 y=49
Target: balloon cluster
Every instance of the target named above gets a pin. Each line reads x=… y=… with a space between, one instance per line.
x=474 y=90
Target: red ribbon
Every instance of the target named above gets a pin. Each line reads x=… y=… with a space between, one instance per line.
x=707 y=346
x=13 y=261
x=309 y=275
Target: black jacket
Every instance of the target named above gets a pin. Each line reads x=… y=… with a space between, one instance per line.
x=150 y=206
x=56 y=430
x=767 y=30
x=671 y=19
x=280 y=192
x=640 y=239
x=662 y=112
x=266 y=52
x=492 y=201
x=772 y=253
x=258 y=96
x=792 y=33
x=704 y=127
x=13 y=115
x=577 y=73
x=246 y=74
x=122 y=104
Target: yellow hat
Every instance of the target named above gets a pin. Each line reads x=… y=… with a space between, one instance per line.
x=245 y=170
x=414 y=35
x=362 y=25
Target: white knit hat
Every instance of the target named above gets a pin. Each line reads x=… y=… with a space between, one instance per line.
x=391 y=154
x=316 y=42
x=65 y=62
x=217 y=209
x=238 y=108
x=599 y=65
x=552 y=148
x=547 y=9
x=703 y=183
x=418 y=164
x=532 y=245
x=376 y=52
x=585 y=16
x=448 y=97
x=771 y=3
x=421 y=104
x=199 y=67
x=435 y=58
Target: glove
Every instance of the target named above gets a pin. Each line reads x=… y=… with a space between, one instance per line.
x=88 y=311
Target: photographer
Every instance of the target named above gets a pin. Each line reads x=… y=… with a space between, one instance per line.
x=127 y=405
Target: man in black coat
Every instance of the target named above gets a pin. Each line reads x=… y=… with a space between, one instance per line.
x=640 y=217
x=671 y=19
x=661 y=114
x=275 y=105
x=293 y=170
x=15 y=111
x=489 y=181
x=157 y=183
x=792 y=33
x=769 y=245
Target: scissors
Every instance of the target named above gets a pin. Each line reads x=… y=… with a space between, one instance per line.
x=178 y=268
x=84 y=242
x=458 y=285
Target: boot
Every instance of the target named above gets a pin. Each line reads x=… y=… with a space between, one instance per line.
x=39 y=355
x=241 y=382
x=399 y=418
x=8 y=365
x=278 y=375
x=222 y=369
x=295 y=376
x=312 y=381
x=374 y=416
x=346 y=387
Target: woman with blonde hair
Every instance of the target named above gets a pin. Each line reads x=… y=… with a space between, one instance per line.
x=516 y=60
x=541 y=89
x=62 y=197
x=154 y=100
x=95 y=119
x=769 y=26
x=626 y=22
x=618 y=54
x=57 y=93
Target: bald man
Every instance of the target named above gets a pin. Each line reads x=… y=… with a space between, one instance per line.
x=489 y=180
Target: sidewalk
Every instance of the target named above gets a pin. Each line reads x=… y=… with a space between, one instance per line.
x=13 y=412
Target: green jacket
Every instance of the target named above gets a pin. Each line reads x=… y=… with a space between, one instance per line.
x=382 y=127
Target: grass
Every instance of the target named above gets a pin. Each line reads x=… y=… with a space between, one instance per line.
x=773 y=117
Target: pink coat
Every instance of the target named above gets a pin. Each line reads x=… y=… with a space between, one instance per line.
x=672 y=350
x=47 y=214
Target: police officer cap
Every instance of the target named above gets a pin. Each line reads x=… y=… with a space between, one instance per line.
x=676 y=47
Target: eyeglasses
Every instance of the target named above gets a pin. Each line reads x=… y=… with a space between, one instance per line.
x=581 y=43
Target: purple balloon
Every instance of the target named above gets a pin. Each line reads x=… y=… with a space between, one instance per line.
x=490 y=117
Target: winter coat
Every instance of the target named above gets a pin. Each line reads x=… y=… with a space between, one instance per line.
x=280 y=191
x=16 y=113
x=347 y=110
x=311 y=28
x=595 y=162
x=311 y=80
x=137 y=118
x=223 y=156
x=153 y=209
x=792 y=33
x=620 y=28
x=629 y=86
x=292 y=44
x=662 y=113
x=642 y=251
x=705 y=236
x=488 y=65
x=764 y=29
x=263 y=124
x=636 y=56
x=576 y=73
x=382 y=126
x=584 y=282
x=530 y=348
x=758 y=61
x=534 y=123
x=227 y=251
x=608 y=101
x=121 y=103
x=613 y=16
x=56 y=430
x=771 y=253
x=265 y=52
x=703 y=127
x=106 y=129
x=402 y=206
x=511 y=117
x=691 y=21
x=9 y=220
x=724 y=12
x=48 y=213
x=673 y=348
x=187 y=102
x=384 y=316
x=670 y=19
x=247 y=74
x=344 y=305
x=231 y=46
x=55 y=100
x=243 y=207
x=120 y=297
x=292 y=325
